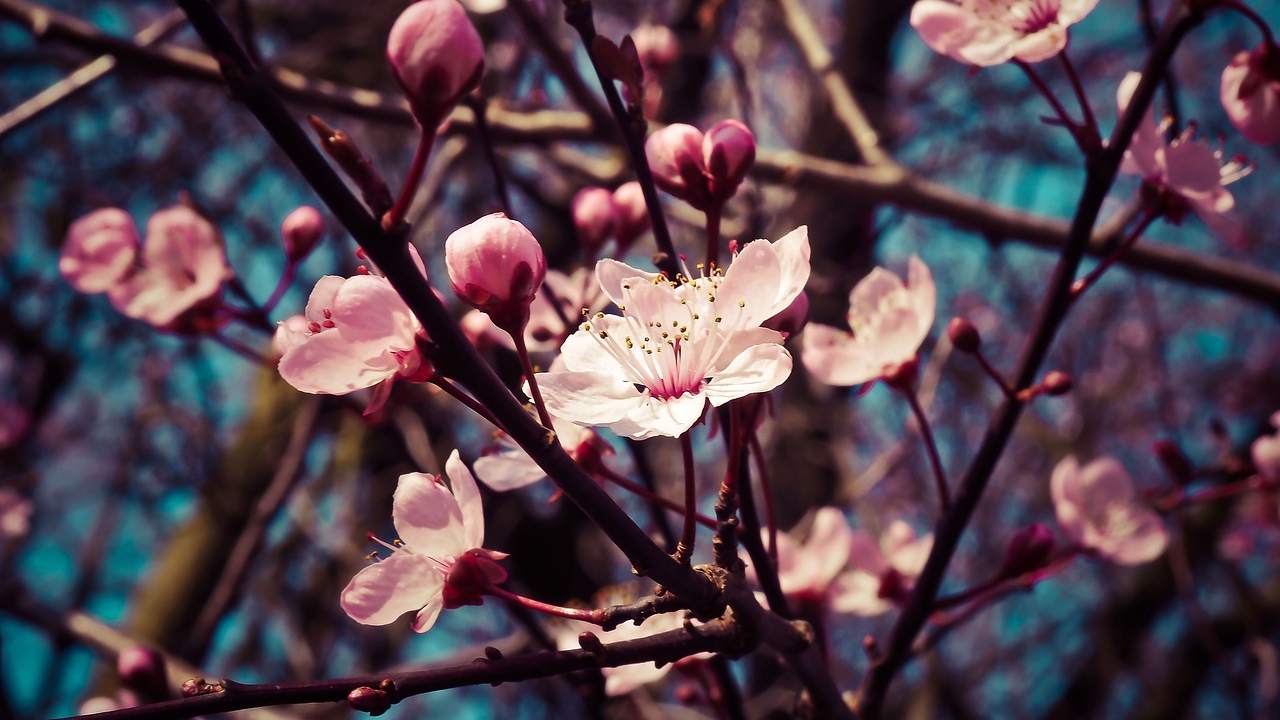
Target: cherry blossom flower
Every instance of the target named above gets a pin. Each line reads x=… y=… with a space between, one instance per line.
x=1184 y=173
x=1266 y=452
x=1250 y=91
x=436 y=55
x=678 y=345
x=807 y=570
x=99 y=251
x=889 y=321
x=880 y=573
x=15 y=514
x=184 y=266
x=439 y=563
x=1097 y=507
x=990 y=32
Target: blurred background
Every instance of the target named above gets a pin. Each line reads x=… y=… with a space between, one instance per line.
x=150 y=457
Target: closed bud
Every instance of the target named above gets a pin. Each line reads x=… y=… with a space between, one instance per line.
x=141 y=670
x=370 y=700
x=301 y=231
x=1029 y=549
x=728 y=151
x=1173 y=460
x=496 y=265
x=633 y=214
x=595 y=217
x=437 y=56
x=674 y=154
x=1250 y=93
x=963 y=335
x=1057 y=382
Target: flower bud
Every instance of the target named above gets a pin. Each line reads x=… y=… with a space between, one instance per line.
x=301 y=231
x=963 y=335
x=1029 y=549
x=792 y=319
x=1056 y=382
x=633 y=214
x=99 y=251
x=437 y=57
x=1250 y=92
x=1173 y=460
x=141 y=670
x=728 y=151
x=675 y=157
x=370 y=700
x=496 y=265
x=656 y=46
x=594 y=216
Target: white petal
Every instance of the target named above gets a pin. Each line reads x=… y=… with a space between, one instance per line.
x=389 y=588
x=588 y=398
x=508 y=470
x=611 y=275
x=427 y=517
x=759 y=369
x=467 y=496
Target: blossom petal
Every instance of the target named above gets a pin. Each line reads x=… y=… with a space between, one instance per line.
x=1040 y=45
x=368 y=311
x=467 y=496
x=944 y=26
x=588 y=398
x=427 y=517
x=905 y=552
x=828 y=546
x=747 y=295
x=611 y=274
x=391 y=587
x=508 y=470
x=1191 y=167
x=429 y=613
x=834 y=358
x=759 y=369
x=793 y=258
x=1143 y=543
x=654 y=417
x=327 y=364
x=858 y=593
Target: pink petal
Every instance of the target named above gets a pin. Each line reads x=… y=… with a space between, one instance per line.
x=327 y=364
x=828 y=546
x=793 y=254
x=1266 y=456
x=944 y=26
x=1216 y=213
x=1142 y=544
x=1066 y=504
x=589 y=398
x=733 y=344
x=653 y=417
x=865 y=554
x=1191 y=167
x=467 y=496
x=879 y=289
x=99 y=250
x=1040 y=45
x=509 y=470
x=369 y=312
x=389 y=588
x=428 y=518
x=858 y=593
x=429 y=613
x=612 y=275
x=1143 y=156
x=323 y=297
x=582 y=352
x=748 y=294
x=759 y=369
x=832 y=357
x=905 y=552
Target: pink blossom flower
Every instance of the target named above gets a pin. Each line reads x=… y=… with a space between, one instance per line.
x=301 y=231
x=355 y=333
x=1250 y=91
x=633 y=214
x=1266 y=452
x=436 y=55
x=439 y=563
x=889 y=321
x=99 y=251
x=678 y=345
x=496 y=265
x=880 y=573
x=807 y=570
x=990 y=32
x=703 y=170
x=595 y=217
x=1097 y=507
x=183 y=266
x=1184 y=173
x=15 y=514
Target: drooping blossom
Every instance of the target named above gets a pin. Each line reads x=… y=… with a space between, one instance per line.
x=15 y=514
x=355 y=333
x=439 y=563
x=880 y=572
x=301 y=230
x=184 y=267
x=1250 y=91
x=990 y=32
x=889 y=321
x=595 y=217
x=1097 y=507
x=633 y=215
x=436 y=55
x=1266 y=453
x=807 y=570
x=99 y=250
x=678 y=345
x=496 y=265
x=703 y=170
x=1183 y=174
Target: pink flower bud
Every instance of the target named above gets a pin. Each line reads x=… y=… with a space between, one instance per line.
x=369 y=700
x=301 y=230
x=496 y=265
x=728 y=151
x=594 y=216
x=141 y=670
x=633 y=214
x=675 y=157
x=1250 y=91
x=657 y=47
x=99 y=251
x=964 y=336
x=436 y=55
x=793 y=318
x=1057 y=382
x=1029 y=549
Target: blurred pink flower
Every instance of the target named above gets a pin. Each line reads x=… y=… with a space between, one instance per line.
x=633 y=214
x=183 y=266
x=301 y=231
x=1250 y=92
x=657 y=47
x=436 y=55
x=439 y=562
x=595 y=217
x=1266 y=453
x=990 y=32
x=889 y=321
x=1097 y=507
x=15 y=514
x=807 y=570
x=1187 y=173
x=880 y=573
x=652 y=370
x=99 y=250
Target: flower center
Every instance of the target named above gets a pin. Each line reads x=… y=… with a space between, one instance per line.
x=1025 y=16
